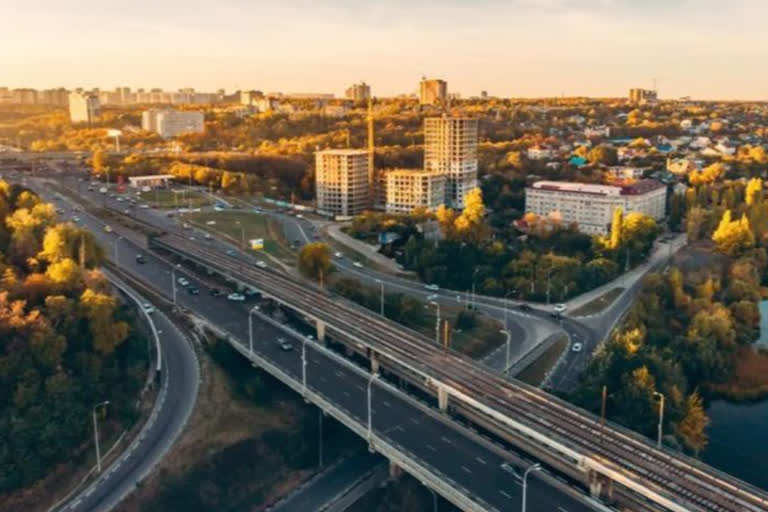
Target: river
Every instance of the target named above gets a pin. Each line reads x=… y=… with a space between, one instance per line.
x=738 y=434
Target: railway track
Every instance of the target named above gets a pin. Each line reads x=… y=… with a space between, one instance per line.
x=689 y=483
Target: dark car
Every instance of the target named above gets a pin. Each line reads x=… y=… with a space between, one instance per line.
x=524 y=307
x=140 y=259
x=193 y=290
x=215 y=292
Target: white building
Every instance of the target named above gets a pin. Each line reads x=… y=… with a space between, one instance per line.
x=591 y=206
x=624 y=172
x=432 y=91
x=83 y=107
x=540 y=153
x=450 y=148
x=358 y=92
x=170 y=123
x=407 y=189
x=341 y=182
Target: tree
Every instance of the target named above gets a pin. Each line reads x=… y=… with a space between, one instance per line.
x=470 y=225
x=692 y=428
x=733 y=236
x=99 y=161
x=753 y=191
x=616 y=225
x=606 y=155
x=315 y=261
x=99 y=309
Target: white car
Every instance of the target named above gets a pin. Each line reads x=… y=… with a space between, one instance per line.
x=144 y=206
x=236 y=297
x=299 y=216
x=432 y=287
x=560 y=308
x=261 y=264
x=76 y=219
x=148 y=308
x=576 y=347
x=358 y=264
x=182 y=281
x=338 y=255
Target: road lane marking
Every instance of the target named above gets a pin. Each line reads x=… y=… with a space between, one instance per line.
x=400 y=428
x=415 y=421
x=466 y=469
x=561 y=509
x=506 y=494
x=387 y=404
x=432 y=448
x=361 y=388
x=346 y=393
x=445 y=440
x=481 y=461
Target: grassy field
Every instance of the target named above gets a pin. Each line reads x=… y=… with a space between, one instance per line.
x=598 y=304
x=174 y=198
x=235 y=225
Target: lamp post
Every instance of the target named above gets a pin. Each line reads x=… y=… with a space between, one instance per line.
x=474 y=273
x=173 y=284
x=96 y=434
x=320 y=438
x=114 y=244
x=373 y=377
x=437 y=322
x=250 y=330
x=381 y=301
x=304 y=366
x=535 y=467
x=242 y=234
x=661 y=417
x=506 y=333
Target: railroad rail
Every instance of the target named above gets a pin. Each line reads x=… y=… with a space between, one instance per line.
x=666 y=478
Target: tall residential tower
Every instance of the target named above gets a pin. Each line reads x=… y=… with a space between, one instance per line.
x=341 y=181
x=450 y=148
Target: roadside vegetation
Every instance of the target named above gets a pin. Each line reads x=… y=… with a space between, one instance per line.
x=66 y=344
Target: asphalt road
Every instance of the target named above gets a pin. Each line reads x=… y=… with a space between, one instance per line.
x=178 y=394
x=432 y=439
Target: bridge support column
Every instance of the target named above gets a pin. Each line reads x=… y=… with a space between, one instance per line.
x=442 y=398
x=374 y=362
x=320 y=326
x=395 y=471
x=209 y=271
x=600 y=486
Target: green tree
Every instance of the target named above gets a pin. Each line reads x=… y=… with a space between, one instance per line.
x=315 y=261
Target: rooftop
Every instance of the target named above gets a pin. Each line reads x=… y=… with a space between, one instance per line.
x=639 y=187
x=343 y=151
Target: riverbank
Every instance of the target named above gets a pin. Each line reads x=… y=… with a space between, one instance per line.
x=749 y=379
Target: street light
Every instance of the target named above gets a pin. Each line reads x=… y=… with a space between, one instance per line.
x=303 y=366
x=250 y=329
x=535 y=467
x=373 y=377
x=381 y=305
x=474 y=273
x=661 y=417
x=242 y=234
x=114 y=244
x=437 y=322
x=173 y=284
x=506 y=333
x=96 y=434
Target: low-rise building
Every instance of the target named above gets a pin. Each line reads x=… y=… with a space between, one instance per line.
x=591 y=206
x=170 y=123
x=408 y=189
x=342 y=182
x=681 y=166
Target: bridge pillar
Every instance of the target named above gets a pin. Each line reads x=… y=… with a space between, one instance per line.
x=442 y=398
x=209 y=271
x=320 y=326
x=600 y=486
x=374 y=362
x=394 y=470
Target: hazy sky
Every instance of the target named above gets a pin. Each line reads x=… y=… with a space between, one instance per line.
x=701 y=48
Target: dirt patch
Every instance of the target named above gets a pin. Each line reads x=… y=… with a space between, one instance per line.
x=535 y=373
x=598 y=304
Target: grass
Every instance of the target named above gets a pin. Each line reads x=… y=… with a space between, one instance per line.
x=174 y=198
x=598 y=304
x=251 y=225
x=535 y=373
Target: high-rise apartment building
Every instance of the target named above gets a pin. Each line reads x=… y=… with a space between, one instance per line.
x=358 y=92
x=170 y=123
x=450 y=148
x=590 y=206
x=433 y=91
x=341 y=181
x=83 y=107
x=407 y=189
x=640 y=96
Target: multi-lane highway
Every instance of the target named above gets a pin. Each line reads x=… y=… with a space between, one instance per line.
x=434 y=440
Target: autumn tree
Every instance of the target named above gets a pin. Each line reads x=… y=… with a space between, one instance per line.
x=616 y=226
x=691 y=429
x=733 y=236
x=315 y=261
x=470 y=225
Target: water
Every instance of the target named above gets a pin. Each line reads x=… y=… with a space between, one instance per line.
x=738 y=434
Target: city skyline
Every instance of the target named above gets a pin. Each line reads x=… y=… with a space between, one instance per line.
x=527 y=48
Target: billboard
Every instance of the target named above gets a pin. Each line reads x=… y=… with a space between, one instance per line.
x=257 y=244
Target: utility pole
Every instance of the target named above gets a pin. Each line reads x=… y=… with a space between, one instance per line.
x=447 y=335
x=372 y=185
x=173 y=284
x=506 y=333
x=381 y=301
x=437 y=322
x=250 y=331
x=370 y=415
x=96 y=434
x=602 y=412
x=661 y=418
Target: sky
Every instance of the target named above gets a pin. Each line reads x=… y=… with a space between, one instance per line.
x=706 y=49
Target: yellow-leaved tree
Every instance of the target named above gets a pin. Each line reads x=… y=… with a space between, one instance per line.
x=733 y=236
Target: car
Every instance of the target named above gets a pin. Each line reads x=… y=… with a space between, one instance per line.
x=560 y=308
x=127 y=210
x=358 y=264
x=140 y=259
x=120 y=199
x=261 y=264
x=193 y=290
x=90 y=189
x=108 y=228
x=148 y=308
x=186 y=226
x=250 y=292
x=299 y=216
x=338 y=255
x=524 y=307
x=230 y=252
x=208 y=236
x=284 y=345
x=182 y=281
x=432 y=287
x=210 y=223
x=143 y=206
x=215 y=292
x=76 y=219
x=432 y=297
x=236 y=297
x=576 y=347
x=506 y=466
